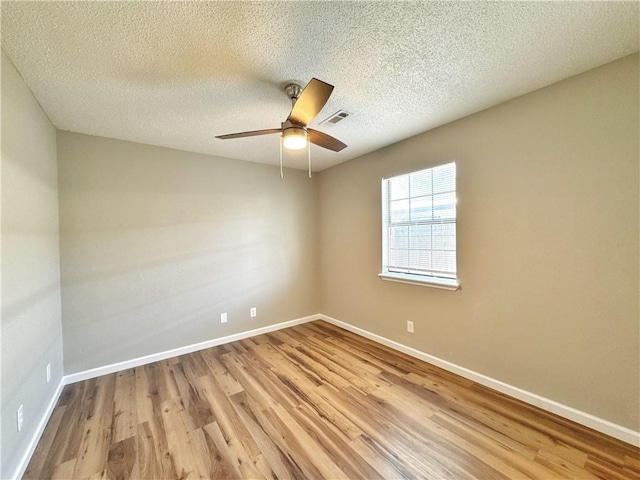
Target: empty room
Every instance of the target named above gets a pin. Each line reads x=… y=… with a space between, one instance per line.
x=313 y=239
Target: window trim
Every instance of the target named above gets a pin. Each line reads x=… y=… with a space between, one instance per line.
x=421 y=280
x=445 y=283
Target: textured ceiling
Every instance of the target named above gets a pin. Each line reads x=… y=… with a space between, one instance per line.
x=177 y=73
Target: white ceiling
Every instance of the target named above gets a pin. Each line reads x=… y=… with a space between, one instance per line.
x=176 y=74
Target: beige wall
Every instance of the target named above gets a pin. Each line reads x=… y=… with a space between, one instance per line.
x=547 y=244
x=155 y=243
x=31 y=324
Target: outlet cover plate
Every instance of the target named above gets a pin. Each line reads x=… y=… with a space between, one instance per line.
x=223 y=317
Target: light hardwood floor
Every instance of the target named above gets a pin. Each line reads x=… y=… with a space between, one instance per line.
x=312 y=401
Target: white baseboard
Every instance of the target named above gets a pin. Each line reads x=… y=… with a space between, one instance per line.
x=599 y=424
x=26 y=457
x=137 y=362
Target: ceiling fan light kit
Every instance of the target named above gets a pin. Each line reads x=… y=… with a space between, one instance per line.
x=306 y=104
x=294 y=138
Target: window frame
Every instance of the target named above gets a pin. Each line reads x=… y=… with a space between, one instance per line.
x=430 y=280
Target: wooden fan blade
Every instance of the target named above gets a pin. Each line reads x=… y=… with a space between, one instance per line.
x=310 y=102
x=253 y=133
x=325 y=141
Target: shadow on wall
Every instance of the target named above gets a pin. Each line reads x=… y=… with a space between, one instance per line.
x=156 y=243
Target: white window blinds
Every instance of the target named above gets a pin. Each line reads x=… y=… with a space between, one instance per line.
x=419 y=222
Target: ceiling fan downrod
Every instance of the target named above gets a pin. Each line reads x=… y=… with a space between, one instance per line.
x=293 y=91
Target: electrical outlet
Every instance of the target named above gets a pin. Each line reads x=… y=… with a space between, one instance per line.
x=19 y=418
x=223 y=317
x=409 y=326
x=253 y=311
x=48 y=372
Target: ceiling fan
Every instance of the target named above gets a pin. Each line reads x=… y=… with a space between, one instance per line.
x=306 y=104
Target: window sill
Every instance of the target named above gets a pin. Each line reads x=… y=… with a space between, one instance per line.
x=434 y=282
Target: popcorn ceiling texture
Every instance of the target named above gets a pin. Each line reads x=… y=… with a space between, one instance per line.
x=176 y=74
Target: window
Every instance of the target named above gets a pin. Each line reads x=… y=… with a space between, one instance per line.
x=419 y=227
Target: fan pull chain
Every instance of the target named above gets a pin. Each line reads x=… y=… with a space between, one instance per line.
x=309 y=155
x=281 y=174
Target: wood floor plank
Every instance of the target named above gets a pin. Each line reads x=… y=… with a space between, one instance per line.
x=355 y=374
x=66 y=440
x=239 y=441
x=144 y=401
x=486 y=449
x=63 y=471
x=383 y=460
x=380 y=426
x=264 y=468
x=124 y=405
x=97 y=434
x=324 y=410
x=148 y=391
x=154 y=458
x=46 y=442
x=184 y=444
x=311 y=401
x=562 y=467
x=223 y=462
x=327 y=369
x=333 y=443
x=223 y=378
x=122 y=460
x=487 y=432
x=270 y=442
x=197 y=412
x=603 y=469
x=317 y=463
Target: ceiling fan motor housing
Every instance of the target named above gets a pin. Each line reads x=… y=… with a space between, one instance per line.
x=293 y=91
